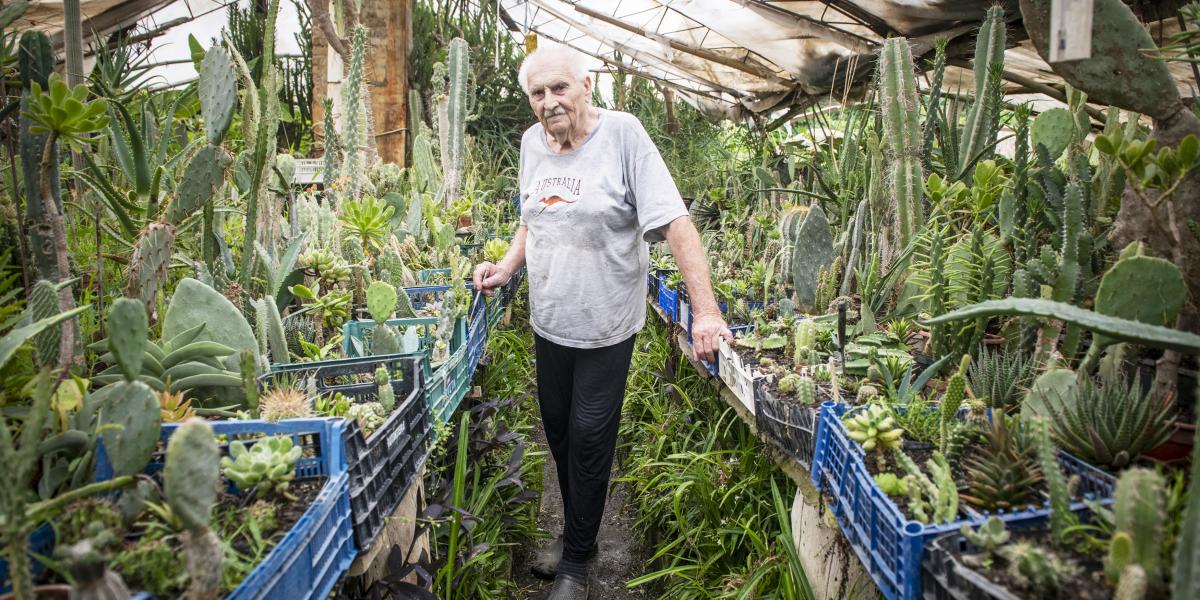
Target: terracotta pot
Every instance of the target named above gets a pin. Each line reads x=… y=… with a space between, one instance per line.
x=1177 y=447
x=58 y=591
x=464 y=221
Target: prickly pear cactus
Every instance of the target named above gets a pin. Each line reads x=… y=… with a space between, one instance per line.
x=43 y=304
x=148 y=266
x=387 y=396
x=381 y=301
x=812 y=251
x=127 y=331
x=131 y=417
x=192 y=473
x=202 y=179
x=1054 y=130
x=218 y=93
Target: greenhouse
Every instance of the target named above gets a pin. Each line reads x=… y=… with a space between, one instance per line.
x=599 y=299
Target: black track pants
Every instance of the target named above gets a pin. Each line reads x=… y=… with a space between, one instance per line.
x=580 y=393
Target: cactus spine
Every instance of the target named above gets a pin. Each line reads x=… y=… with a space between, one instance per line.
x=983 y=118
x=190 y=483
x=455 y=125
x=1140 y=515
x=902 y=136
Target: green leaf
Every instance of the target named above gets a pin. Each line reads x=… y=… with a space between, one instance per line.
x=1121 y=329
x=13 y=339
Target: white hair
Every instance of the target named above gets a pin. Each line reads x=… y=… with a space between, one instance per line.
x=553 y=54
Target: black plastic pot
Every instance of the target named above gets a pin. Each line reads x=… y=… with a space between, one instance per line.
x=945 y=577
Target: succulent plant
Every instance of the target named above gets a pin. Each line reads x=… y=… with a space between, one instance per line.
x=368 y=220
x=1004 y=471
x=803 y=386
x=174 y=408
x=1001 y=378
x=1185 y=582
x=284 y=402
x=1140 y=516
x=956 y=388
x=267 y=466
x=370 y=415
x=1037 y=569
x=875 y=428
x=990 y=536
x=891 y=485
x=806 y=231
x=1139 y=288
x=866 y=393
x=1062 y=520
x=386 y=395
x=899 y=105
x=1107 y=423
x=495 y=249
x=930 y=500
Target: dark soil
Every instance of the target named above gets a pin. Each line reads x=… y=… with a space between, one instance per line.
x=1088 y=583
x=286 y=513
x=782 y=365
x=620 y=558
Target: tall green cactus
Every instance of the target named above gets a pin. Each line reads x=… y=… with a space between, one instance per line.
x=902 y=136
x=932 y=105
x=1140 y=516
x=329 y=171
x=956 y=389
x=354 y=117
x=36 y=60
x=454 y=149
x=983 y=118
x=264 y=143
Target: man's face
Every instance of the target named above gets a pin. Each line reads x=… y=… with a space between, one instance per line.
x=558 y=100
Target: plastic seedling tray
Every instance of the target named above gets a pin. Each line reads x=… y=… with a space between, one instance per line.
x=668 y=299
x=788 y=425
x=740 y=377
x=944 y=577
x=890 y=546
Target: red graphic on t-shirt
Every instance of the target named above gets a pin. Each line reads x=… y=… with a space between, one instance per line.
x=551 y=201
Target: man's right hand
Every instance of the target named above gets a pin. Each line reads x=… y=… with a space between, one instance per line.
x=487 y=277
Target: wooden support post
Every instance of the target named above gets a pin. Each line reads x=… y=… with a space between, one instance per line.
x=389 y=39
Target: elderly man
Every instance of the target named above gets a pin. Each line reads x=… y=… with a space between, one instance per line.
x=594 y=192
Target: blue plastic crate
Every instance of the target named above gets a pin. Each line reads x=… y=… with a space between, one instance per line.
x=41 y=542
x=890 y=546
x=668 y=299
x=311 y=557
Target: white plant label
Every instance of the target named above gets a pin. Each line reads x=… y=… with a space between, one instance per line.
x=1070 y=30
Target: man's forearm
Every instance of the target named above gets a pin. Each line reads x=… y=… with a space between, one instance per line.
x=689 y=255
x=514 y=259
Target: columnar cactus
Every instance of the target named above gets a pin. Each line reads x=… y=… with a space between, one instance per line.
x=1185 y=583
x=803 y=342
x=931 y=500
x=386 y=396
x=1061 y=517
x=454 y=150
x=330 y=170
x=1140 y=515
x=951 y=401
x=354 y=121
x=190 y=484
x=983 y=118
x=902 y=136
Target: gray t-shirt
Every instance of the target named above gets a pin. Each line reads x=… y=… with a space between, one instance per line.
x=590 y=214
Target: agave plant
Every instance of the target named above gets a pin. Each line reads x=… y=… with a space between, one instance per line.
x=1108 y=423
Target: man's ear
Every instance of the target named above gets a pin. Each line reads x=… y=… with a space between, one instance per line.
x=587 y=85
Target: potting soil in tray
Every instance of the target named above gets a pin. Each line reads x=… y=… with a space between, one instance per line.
x=782 y=366
x=152 y=560
x=1088 y=582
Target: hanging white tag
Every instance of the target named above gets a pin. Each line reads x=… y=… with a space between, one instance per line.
x=1070 y=30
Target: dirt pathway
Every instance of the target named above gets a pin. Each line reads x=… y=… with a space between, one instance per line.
x=620 y=558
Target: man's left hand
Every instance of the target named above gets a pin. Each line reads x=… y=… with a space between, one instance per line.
x=707 y=330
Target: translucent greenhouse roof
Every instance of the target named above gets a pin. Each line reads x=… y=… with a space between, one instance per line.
x=734 y=56
x=761 y=56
